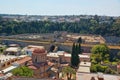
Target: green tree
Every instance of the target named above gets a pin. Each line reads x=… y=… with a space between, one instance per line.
x=72 y=55
x=93 y=68
x=79 y=40
x=23 y=71
x=52 y=47
x=118 y=55
x=102 y=50
x=98 y=58
x=98 y=68
x=80 y=50
x=108 y=71
x=2 y=48
x=101 y=68
x=68 y=71
x=77 y=59
x=75 y=56
x=94 y=25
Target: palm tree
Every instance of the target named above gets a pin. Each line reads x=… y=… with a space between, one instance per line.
x=68 y=71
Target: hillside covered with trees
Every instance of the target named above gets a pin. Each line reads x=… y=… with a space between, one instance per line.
x=109 y=27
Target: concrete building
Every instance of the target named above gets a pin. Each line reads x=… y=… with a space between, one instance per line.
x=31 y=49
x=63 y=57
x=84 y=67
x=13 y=49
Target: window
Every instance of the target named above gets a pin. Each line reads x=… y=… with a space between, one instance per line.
x=36 y=59
x=3 y=65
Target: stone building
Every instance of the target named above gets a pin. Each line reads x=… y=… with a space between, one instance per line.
x=39 y=55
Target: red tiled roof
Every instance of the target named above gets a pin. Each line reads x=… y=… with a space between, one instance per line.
x=118 y=66
x=30 y=63
x=38 y=50
x=1 y=74
x=24 y=60
x=32 y=67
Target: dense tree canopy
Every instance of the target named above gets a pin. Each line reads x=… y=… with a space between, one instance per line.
x=101 y=61
x=100 y=53
x=84 y=26
x=101 y=49
x=23 y=71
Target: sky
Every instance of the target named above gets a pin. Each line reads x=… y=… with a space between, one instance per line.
x=61 y=7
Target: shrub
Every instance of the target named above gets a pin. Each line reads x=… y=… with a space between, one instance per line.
x=23 y=71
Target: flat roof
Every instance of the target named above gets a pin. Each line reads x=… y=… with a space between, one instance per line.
x=13 y=49
x=14 y=45
x=35 y=46
x=84 y=56
x=22 y=56
x=88 y=76
x=52 y=55
x=88 y=64
x=4 y=77
x=21 y=61
x=67 y=55
x=60 y=52
x=80 y=55
x=8 y=69
x=83 y=69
